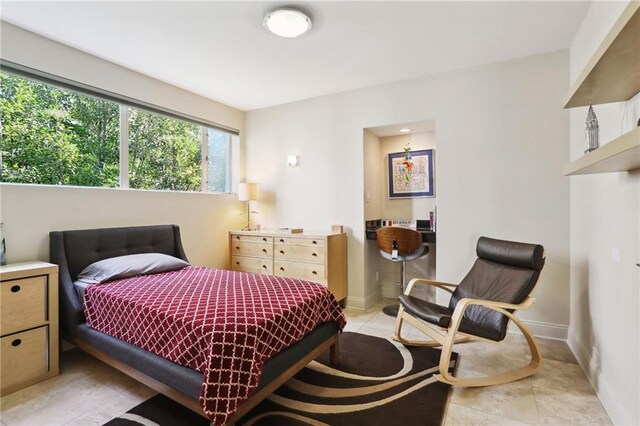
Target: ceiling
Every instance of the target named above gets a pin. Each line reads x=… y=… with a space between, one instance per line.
x=220 y=49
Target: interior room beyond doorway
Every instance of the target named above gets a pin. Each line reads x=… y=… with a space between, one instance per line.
x=382 y=277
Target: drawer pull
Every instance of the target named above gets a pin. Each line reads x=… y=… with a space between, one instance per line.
x=15 y=289
x=237 y=237
x=264 y=266
x=314 y=272
x=264 y=238
x=314 y=242
x=281 y=251
x=237 y=263
x=281 y=268
x=264 y=250
x=16 y=342
x=281 y=240
x=314 y=254
x=237 y=248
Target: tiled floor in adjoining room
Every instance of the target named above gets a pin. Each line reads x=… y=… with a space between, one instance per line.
x=88 y=392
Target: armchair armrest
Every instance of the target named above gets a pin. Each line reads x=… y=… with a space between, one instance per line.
x=442 y=285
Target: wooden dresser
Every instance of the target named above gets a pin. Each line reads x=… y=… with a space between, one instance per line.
x=314 y=257
x=28 y=324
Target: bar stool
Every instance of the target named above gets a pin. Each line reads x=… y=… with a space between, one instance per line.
x=400 y=245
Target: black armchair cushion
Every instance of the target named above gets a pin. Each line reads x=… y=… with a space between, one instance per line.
x=521 y=255
x=441 y=316
x=505 y=271
x=426 y=311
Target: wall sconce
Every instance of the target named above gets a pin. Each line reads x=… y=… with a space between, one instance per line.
x=292 y=160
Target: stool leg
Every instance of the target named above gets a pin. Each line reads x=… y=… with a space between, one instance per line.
x=392 y=310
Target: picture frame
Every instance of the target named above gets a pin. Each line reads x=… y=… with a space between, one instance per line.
x=416 y=180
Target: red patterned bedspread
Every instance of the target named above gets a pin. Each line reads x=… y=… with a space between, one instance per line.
x=224 y=324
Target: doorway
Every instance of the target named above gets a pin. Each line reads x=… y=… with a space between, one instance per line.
x=382 y=277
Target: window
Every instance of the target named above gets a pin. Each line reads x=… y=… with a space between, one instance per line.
x=59 y=137
x=218 y=153
x=164 y=153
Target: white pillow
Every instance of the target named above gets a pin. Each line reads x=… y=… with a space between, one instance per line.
x=131 y=265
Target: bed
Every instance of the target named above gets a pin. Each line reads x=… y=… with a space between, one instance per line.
x=72 y=251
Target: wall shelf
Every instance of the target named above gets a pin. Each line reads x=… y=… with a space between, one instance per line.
x=620 y=155
x=613 y=73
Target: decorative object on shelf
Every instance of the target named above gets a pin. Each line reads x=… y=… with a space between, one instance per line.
x=591 y=131
x=3 y=246
x=248 y=192
x=336 y=229
x=411 y=181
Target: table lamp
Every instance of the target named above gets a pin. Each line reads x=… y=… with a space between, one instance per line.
x=248 y=192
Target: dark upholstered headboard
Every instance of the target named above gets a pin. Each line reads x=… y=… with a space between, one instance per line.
x=72 y=251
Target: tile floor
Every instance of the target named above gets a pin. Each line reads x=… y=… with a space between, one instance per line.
x=88 y=392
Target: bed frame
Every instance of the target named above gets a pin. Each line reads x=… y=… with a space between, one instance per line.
x=72 y=251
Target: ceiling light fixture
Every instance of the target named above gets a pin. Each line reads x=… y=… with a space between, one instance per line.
x=405 y=130
x=288 y=23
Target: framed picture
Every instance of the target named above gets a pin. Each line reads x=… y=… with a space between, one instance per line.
x=411 y=175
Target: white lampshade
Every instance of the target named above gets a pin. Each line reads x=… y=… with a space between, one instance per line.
x=247 y=192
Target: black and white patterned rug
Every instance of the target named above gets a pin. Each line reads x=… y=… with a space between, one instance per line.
x=378 y=382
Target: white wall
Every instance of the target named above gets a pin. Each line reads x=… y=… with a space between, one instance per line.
x=30 y=212
x=604 y=331
x=502 y=142
x=372 y=210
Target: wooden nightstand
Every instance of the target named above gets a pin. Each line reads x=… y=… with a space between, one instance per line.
x=28 y=324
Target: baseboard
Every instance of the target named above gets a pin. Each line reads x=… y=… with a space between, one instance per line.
x=591 y=368
x=362 y=303
x=355 y=303
x=542 y=329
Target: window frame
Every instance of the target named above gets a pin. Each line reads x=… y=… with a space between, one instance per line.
x=125 y=103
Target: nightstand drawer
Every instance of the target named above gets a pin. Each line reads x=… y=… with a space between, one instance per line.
x=303 y=271
x=24 y=358
x=313 y=242
x=251 y=238
x=252 y=264
x=23 y=303
x=304 y=253
x=251 y=249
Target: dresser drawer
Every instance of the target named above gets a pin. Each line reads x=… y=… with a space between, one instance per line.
x=251 y=238
x=23 y=303
x=252 y=264
x=303 y=271
x=295 y=252
x=239 y=248
x=314 y=242
x=24 y=357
